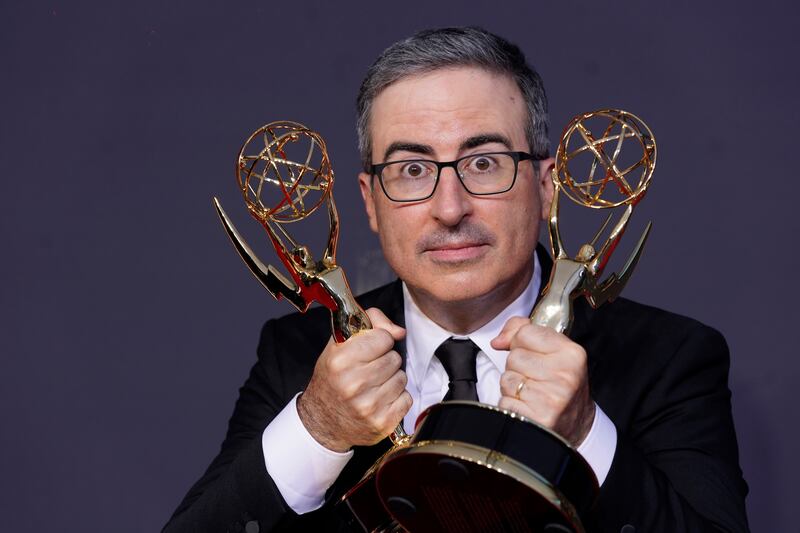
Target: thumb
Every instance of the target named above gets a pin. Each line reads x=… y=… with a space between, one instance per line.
x=503 y=340
x=380 y=320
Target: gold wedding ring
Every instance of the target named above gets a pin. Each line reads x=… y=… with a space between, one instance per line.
x=520 y=386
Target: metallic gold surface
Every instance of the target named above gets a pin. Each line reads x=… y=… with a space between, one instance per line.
x=608 y=188
x=500 y=463
x=284 y=175
x=417 y=456
x=264 y=168
x=520 y=386
x=579 y=157
x=284 y=172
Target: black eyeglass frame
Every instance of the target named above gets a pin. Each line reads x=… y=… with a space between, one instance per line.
x=377 y=170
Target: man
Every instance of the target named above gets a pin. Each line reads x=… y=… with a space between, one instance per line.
x=453 y=134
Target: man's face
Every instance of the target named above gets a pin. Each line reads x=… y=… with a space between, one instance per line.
x=455 y=247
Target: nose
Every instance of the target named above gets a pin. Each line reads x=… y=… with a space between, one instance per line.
x=451 y=202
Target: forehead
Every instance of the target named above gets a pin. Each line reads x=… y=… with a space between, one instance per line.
x=442 y=108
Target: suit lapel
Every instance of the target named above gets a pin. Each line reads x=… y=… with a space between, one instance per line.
x=546 y=265
x=388 y=299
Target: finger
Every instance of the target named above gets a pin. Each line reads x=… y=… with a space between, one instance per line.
x=564 y=371
x=368 y=345
x=392 y=388
x=543 y=418
x=399 y=408
x=546 y=355
x=503 y=340
x=509 y=381
x=539 y=339
x=379 y=371
x=529 y=364
x=381 y=321
x=516 y=406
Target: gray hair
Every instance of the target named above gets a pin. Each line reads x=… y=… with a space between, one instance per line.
x=431 y=50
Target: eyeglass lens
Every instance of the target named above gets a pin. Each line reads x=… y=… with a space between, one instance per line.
x=480 y=174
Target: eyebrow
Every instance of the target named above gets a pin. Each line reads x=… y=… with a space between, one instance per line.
x=402 y=146
x=486 y=138
x=425 y=149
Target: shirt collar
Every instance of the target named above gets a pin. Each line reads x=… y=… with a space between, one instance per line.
x=423 y=335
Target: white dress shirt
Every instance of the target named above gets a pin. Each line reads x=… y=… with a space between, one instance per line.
x=303 y=469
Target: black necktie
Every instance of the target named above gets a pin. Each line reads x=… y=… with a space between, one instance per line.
x=458 y=358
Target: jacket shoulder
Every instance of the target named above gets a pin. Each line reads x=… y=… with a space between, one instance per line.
x=625 y=337
x=627 y=318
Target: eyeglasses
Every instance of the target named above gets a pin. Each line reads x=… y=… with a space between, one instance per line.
x=413 y=180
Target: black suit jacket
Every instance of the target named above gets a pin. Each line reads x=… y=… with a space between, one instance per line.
x=661 y=378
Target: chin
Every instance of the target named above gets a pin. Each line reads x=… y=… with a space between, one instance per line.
x=457 y=286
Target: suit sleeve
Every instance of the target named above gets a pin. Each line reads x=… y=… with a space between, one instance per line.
x=676 y=466
x=236 y=488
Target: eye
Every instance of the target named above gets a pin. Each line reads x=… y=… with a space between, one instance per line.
x=415 y=170
x=481 y=164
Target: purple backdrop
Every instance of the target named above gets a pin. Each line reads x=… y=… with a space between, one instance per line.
x=128 y=323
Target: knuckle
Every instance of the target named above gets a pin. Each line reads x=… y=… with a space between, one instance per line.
x=567 y=383
x=528 y=333
x=374 y=343
x=383 y=339
x=392 y=360
x=397 y=359
x=350 y=390
x=375 y=425
x=383 y=422
x=361 y=343
x=335 y=364
x=404 y=402
x=570 y=378
x=362 y=407
x=578 y=354
x=574 y=381
x=409 y=401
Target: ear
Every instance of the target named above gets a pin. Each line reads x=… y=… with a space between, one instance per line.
x=545 y=183
x=365 y=183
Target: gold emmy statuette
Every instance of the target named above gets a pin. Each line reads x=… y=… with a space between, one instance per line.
x=471 y=467
x=287 y=163
x=590 y=172
x=284 y=174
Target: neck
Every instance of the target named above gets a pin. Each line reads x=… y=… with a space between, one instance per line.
x=462 y=317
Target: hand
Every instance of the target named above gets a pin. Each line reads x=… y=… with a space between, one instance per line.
x=553 y=369
x=357 y=393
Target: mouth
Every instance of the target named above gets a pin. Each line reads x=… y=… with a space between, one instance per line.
x=456 y=252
